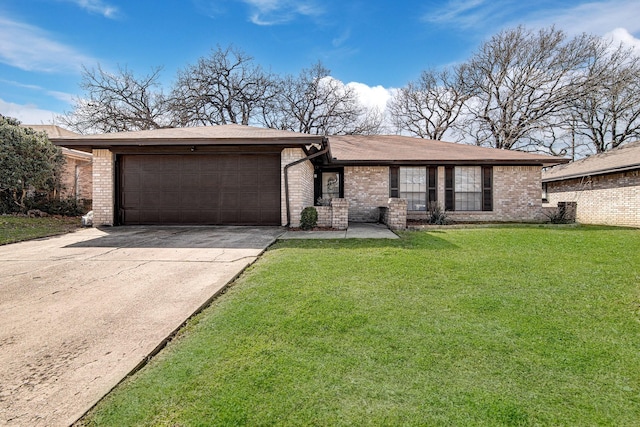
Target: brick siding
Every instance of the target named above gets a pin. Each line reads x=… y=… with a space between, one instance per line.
x=395 y=216
x=103 y=187
x=367 y=189
x=77 y=179
x=300 y=185
x=516 y=194
x=612 y=199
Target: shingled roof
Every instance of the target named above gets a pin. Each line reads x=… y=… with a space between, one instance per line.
x=231 y=134
x=626 y=157
x=344 y=149
x=388 y=149
x=52 y=131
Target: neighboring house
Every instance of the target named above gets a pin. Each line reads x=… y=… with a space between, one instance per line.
x=77 y=175
x=243 y=175
x=605 y=187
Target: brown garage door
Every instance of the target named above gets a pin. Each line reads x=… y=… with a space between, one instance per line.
x=237 y=189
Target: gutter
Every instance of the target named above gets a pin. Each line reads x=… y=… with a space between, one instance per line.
x=324 y=150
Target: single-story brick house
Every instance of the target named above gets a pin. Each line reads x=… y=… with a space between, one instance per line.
x=77 y=175
x=244 y=175
x=605 y=187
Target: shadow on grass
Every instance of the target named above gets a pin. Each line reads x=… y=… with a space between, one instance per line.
x=408 y=240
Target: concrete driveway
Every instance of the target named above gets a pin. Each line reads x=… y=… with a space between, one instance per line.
x=78 y=312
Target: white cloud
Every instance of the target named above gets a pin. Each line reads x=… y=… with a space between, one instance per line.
x=98 y=7
x=596 y=17
x=621 y=35
x=30 y=48
x=61 y=96
x=465 y=13
x=27 y=114
x=274 y=12
x=372 y=96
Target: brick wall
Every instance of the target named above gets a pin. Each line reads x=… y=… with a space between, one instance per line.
x=334 y=216
x=300 y=185
x=325 y=214
x=612 y=199
x=395 y=215
x=517 y=196
x=103 y=187
x=366 y=188
x=77 y=179
x=340 y=214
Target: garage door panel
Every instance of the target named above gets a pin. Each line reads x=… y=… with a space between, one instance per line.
x=130 y=199
x=200 y=189
x=148 y=216
x=250 y=179
x=146 y=200
x=250 y=216
x=169 y=216
x=229 y=201
x=250 y=200
x=270 y=216
x=269 y=203
x=190 y=181
x=190 y=200
x=209 y=181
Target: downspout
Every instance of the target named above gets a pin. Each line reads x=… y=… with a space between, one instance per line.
x=324 y=150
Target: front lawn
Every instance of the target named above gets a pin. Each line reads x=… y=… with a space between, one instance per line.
x=494 y=326
x=14 y=228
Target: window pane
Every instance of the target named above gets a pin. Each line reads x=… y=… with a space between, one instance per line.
x=468 y=178
x=413 y=187
x=468 y=188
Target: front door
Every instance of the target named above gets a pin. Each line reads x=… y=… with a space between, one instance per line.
x=329 y=184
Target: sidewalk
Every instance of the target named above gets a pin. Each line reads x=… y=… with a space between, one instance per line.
x=354 y=231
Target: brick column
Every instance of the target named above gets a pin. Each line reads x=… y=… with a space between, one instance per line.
x=340 y=208
x=441 y=186
x=324 y=216
x=397 y=214
x=103 y=187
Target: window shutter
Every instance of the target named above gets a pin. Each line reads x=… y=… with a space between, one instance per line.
x=448 y=189
x=487 y=188
x=393 y=181
x=433 y=185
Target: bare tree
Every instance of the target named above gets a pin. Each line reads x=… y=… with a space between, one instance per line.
x=608 y=115
x=225 y=87
x=428 y=107
x=115 y=102
x=315 y=103
x=521 y=82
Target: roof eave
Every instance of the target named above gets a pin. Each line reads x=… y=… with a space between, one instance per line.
x=84 y=143
x=449 y=162
x=592 y=173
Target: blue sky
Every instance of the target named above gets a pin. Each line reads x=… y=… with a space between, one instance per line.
x=375 y=45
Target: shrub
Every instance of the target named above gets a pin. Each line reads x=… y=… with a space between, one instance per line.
x=558 y=216
x=308 y=218
x=437 y=215
x=52 y=206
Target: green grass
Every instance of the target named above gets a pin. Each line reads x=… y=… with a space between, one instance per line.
x=18 y=228
x=517 y=326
